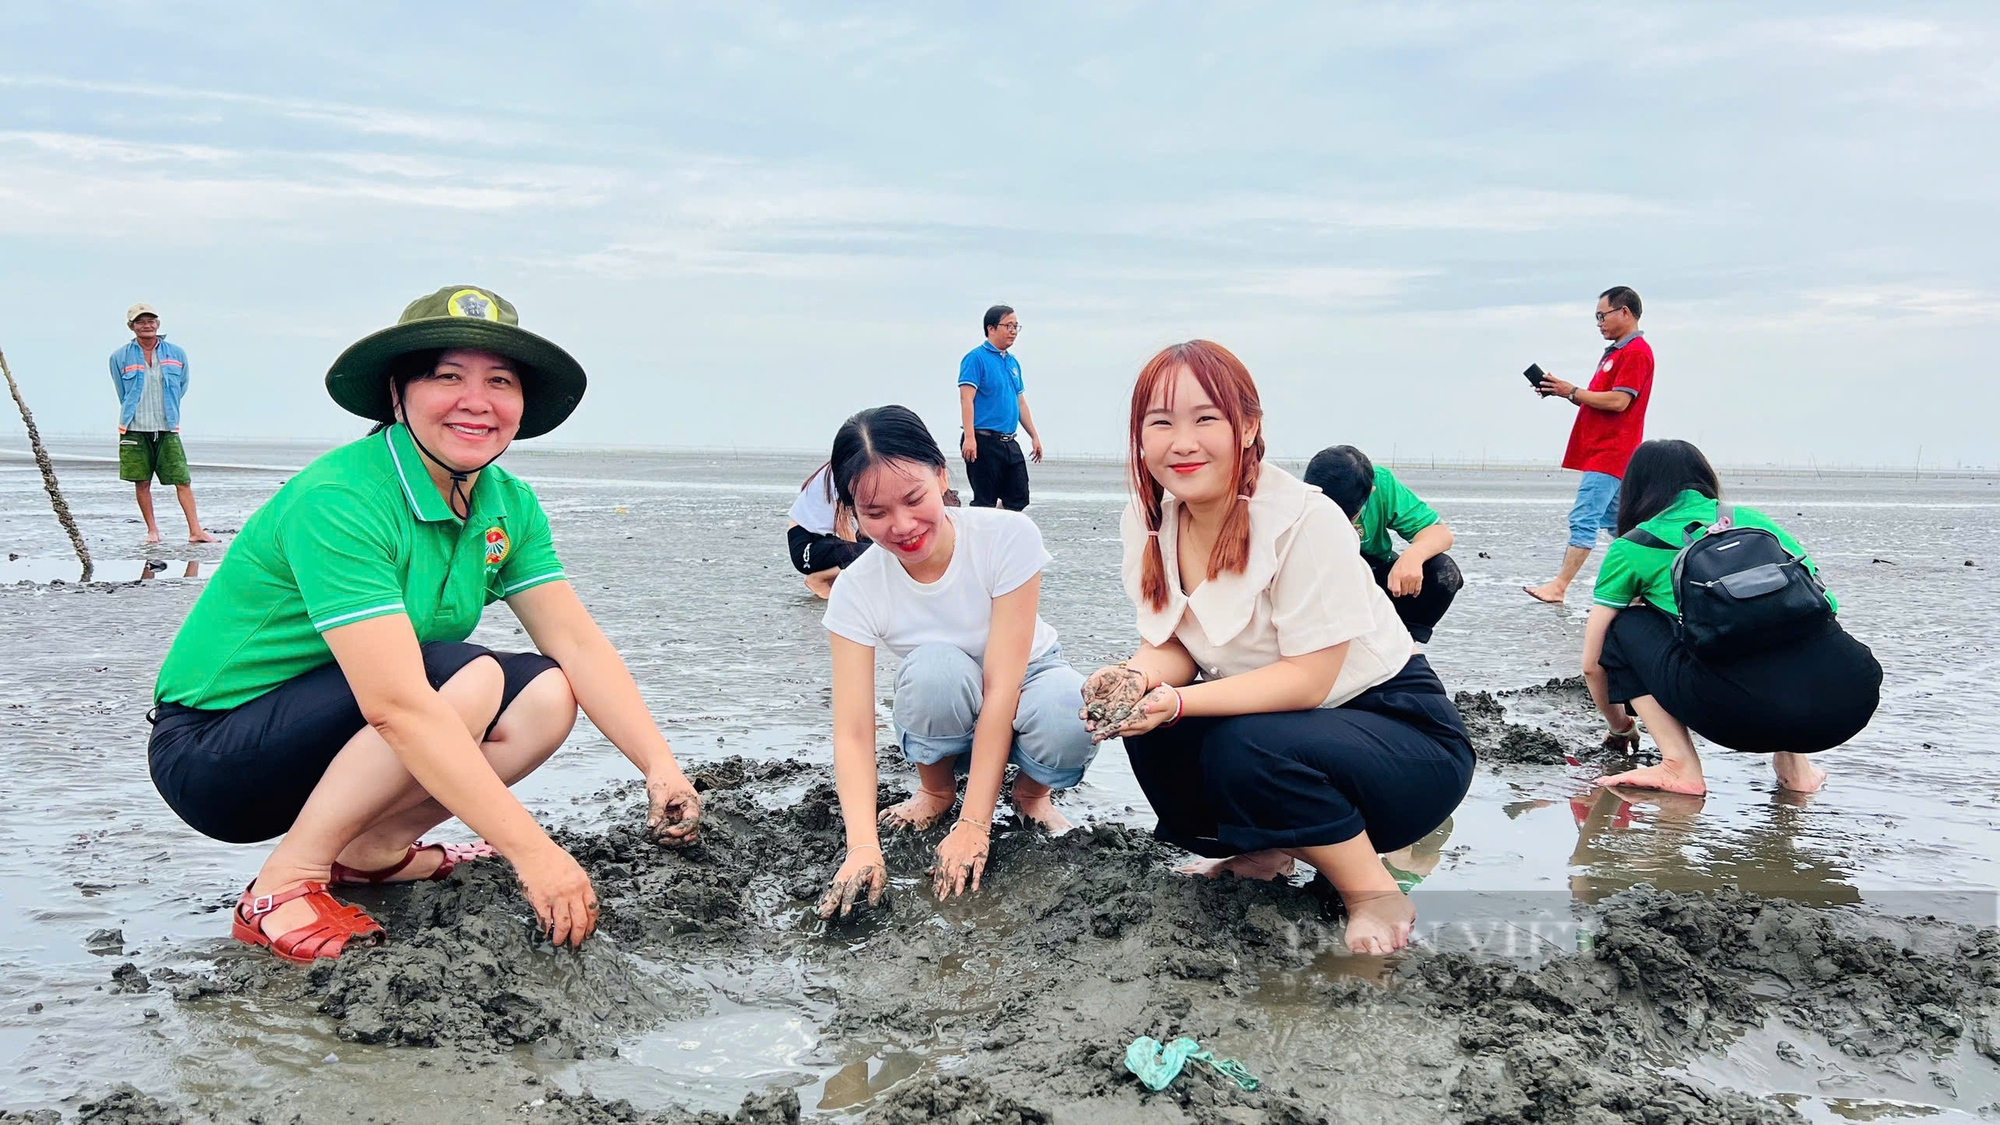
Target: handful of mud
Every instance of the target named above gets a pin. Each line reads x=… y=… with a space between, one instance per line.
x=1111 y=695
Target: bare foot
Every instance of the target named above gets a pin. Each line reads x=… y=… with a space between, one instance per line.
x=1668 y=776
x=1379 y=922
x=198 y=535
x=152 y=537
x=1251 y=865
x=920 y=811
x=1036 y=802
x=1550 y=592
x=1797 y=773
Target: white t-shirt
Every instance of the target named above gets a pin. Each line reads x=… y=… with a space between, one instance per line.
x=1304 y=588
x=814 y=510
x=876 y=602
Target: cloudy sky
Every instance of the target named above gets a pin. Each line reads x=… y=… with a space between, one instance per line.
x=748 y=220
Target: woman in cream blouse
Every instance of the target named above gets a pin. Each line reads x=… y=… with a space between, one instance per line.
x=1276 y=709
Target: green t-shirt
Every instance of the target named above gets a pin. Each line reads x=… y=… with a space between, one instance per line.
x=1634 y=571
x=361 y=532
x=1391 y=507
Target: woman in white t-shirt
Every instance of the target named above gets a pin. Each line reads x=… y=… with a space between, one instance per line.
x=953 y=593
x=821 y=532
x=1276 y=709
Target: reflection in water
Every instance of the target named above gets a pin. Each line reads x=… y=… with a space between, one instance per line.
x=1411 y=865
x=44 y=571
x=1626 y=837
x=158 y=566
x=858 y=1082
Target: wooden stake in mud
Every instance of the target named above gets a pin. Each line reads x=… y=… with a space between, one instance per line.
x=48 y=471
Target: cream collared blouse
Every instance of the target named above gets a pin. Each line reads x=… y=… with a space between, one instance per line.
x=1305 y=588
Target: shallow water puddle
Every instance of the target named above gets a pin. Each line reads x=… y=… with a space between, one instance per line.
x=760 y=1030
x=1822 y=1082
x=43 y=571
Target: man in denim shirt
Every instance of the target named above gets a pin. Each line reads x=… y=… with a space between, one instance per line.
x=151 y=376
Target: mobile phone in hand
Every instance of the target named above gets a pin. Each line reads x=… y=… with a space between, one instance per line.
x=1535 y=375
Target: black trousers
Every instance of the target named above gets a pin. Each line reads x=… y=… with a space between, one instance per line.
x=241 y=775
x=813 y=552
x=999 y=475
x=1422 y=610
x=1393 y=762
x=1798 y=699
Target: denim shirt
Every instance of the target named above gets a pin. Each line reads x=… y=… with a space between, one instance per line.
x=128 y=374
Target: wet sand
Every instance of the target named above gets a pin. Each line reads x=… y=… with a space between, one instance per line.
x=1546 y=988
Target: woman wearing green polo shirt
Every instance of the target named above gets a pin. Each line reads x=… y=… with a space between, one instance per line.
x=320 y=689
x=1795 y=699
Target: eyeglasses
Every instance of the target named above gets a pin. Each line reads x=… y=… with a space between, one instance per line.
x=1602 y=315
x=1014 y=327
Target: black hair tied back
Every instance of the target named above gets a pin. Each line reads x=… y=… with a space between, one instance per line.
x=877 y=435
x=1660 y=470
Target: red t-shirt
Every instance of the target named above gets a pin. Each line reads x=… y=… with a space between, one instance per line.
x=1602 y=441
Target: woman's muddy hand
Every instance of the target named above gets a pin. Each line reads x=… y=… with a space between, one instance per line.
x=1109 y=696
x=861 y=873
x=1155 y=708
x=961 y=859
x=565 y=903
x=673 y=810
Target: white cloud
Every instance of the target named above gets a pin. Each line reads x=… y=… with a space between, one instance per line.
x=1505 y=210
x=1905 y=304
x=79 y=147
x=344 y=115
x=1327 y=285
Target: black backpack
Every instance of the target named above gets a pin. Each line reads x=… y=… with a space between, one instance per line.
x=1739 y=590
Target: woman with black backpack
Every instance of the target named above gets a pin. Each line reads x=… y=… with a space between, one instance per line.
x=1711 y=618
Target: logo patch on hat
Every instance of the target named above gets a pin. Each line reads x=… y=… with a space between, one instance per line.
x=496 y=541
x=472 y=303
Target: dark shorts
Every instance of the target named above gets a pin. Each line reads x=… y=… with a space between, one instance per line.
x=145 y=454
x=999 y=475
x=1393 y=762
x=243 y=774
x=812 y=552
x=1799 y=698
x=1422 y=610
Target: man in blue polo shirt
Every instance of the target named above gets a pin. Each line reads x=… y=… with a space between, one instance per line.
x=991 y=408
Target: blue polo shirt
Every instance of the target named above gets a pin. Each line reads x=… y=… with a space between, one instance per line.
x=995 y=378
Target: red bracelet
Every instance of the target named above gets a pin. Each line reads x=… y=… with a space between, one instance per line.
x=1179 y=705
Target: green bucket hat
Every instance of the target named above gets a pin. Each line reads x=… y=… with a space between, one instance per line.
x=459 y=316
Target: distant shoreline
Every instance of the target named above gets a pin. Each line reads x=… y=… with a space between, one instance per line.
x=13 y=447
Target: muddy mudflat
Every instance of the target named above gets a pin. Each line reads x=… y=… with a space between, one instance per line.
x=1585 y=955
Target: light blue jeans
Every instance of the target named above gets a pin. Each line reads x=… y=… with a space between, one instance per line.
x=938 y=693
x=1596 y=506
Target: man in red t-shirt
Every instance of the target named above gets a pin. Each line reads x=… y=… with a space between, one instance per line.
x=1610 y=424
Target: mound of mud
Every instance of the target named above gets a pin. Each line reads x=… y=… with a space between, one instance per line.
x=1561 y=726
x=1029 y=990
x=464 y=965
x=779 y=1107
x=124 y=1105
x=1574 y=1041
x=952 y=1100
x=1500 y=742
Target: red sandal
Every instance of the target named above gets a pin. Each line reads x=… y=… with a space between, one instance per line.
x=334 y=926
x=454 y=854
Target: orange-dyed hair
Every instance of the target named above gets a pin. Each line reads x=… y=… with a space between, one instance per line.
x=1230 y=387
